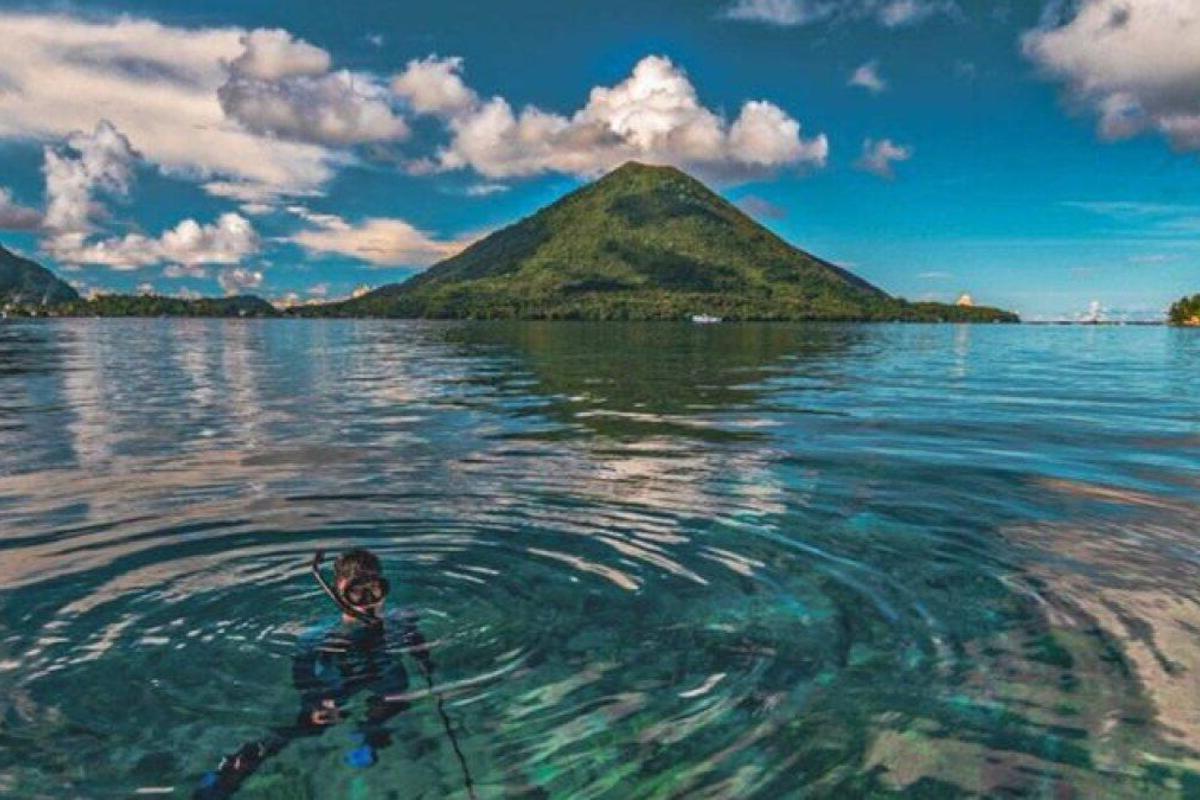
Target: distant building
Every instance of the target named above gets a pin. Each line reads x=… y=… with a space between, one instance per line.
x=965 y=301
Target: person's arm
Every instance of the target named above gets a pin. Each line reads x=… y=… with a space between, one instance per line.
x=387 y=700
x=318 y=710
x=415 y=644
x=318 y=682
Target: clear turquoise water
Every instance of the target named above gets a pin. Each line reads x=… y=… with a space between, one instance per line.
x=654 y=560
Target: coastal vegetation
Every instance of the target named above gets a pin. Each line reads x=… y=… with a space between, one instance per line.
x=149 y=305
x=152 y=305
x=1186 y=312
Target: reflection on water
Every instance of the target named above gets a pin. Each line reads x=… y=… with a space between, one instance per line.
x=654 y=560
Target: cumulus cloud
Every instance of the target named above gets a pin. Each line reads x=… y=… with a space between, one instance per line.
x=188 y=247
x=256 y=116
x=88 y=164
x=1135 y=64
x=230 y=240
x=654 y=115
x=237 y=281
x=435 y=85
x=273 y=54
x=379 y=242
x=16 y=217
x=100 y=161
x=867 y=77
x=878 y=157
x=888 y=13
x=281 y=86
x=158 y=85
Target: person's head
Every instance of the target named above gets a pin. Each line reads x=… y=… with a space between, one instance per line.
x=358 y=576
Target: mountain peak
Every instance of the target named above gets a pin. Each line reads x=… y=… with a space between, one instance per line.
x=642 y=168
x=639 y=175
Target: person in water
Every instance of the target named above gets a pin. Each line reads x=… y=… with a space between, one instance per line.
x=333 y=666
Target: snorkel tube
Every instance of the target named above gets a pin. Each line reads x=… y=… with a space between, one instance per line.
x=364 y=617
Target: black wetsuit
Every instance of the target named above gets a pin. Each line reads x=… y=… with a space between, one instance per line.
x=334 y=665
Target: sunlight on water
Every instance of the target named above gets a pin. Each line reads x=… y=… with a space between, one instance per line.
x=652 y=560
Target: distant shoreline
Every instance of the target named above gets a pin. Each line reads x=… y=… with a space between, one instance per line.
x=284 y=316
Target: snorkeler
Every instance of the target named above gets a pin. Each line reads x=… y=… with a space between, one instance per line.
x=333 y=667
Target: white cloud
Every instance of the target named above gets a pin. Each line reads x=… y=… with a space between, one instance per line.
x=1136 y=63
x=255 y=116
x=100 y=161
x=379 y=242
x=189 y=246
x=878 y=156
x=121 y=253
x=434 y=85
x=781 y=12
x=230 y=240
x=888 y=13
x=256 y=209
x=103 y=162
x=867 y=77
x=270 y=54
x=145 y=288
x=181 y=271
x=16 y=217
x=898 y=13
x=763 y=135
x=237 y=281
x=485 y=189
x=654 y=115
x=281 y=86
x=157 y=84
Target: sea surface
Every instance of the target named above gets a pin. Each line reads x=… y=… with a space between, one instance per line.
x=652 y=561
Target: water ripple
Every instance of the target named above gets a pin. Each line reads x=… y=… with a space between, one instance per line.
x=650 y=560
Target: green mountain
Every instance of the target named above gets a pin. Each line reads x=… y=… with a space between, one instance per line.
x=29 y=285
x=642 y=242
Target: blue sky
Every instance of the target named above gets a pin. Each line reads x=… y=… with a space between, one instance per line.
x=1042 y=156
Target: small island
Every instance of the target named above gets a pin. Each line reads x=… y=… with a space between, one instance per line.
x=641 y=243
x=1185 y=312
